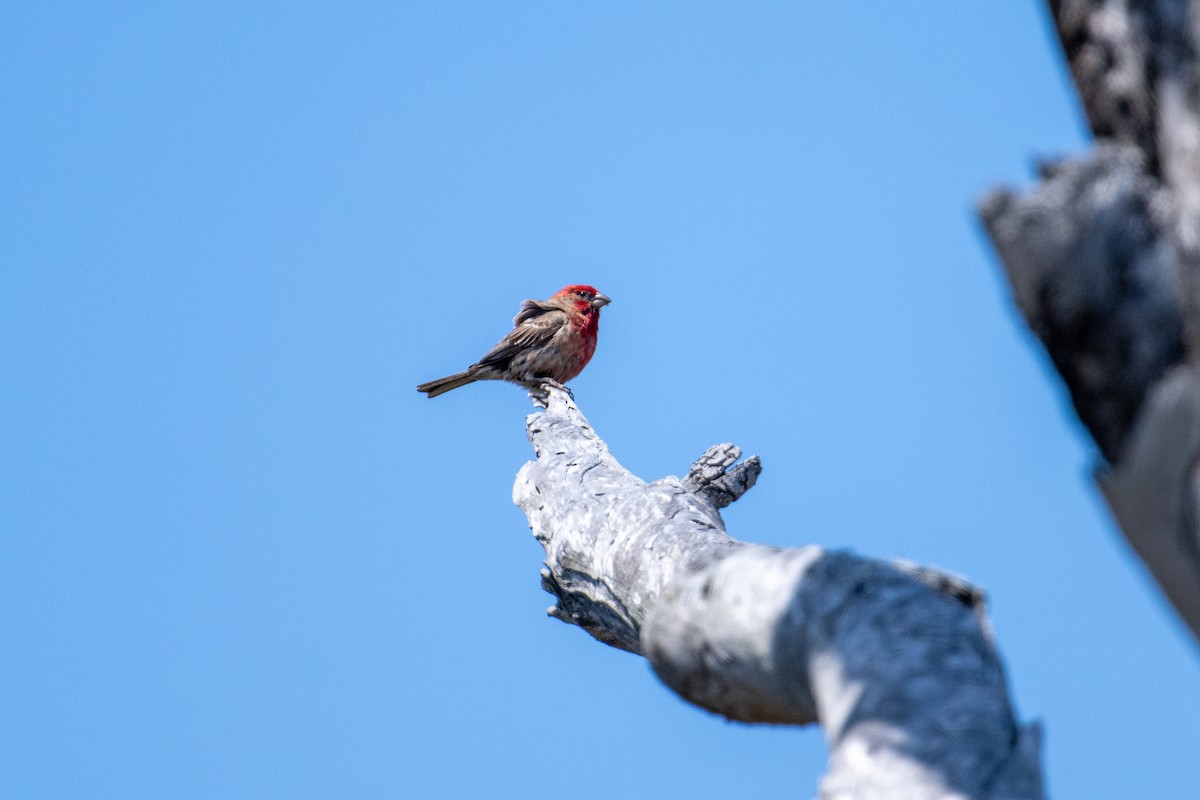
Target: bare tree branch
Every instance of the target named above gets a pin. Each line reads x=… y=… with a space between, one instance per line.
x=895 y=661
x=1104 y=260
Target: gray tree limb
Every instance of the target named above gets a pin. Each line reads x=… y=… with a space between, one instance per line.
x=1104 y=260
x=895 y=661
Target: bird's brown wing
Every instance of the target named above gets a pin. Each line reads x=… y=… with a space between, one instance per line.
x=531 y=309
x=533 y=331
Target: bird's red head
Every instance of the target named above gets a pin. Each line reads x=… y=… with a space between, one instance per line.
x=583 y=297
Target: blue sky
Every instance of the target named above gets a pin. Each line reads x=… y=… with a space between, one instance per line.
x=243 y=558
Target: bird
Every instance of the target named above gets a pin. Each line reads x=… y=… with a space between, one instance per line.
x=550 y=343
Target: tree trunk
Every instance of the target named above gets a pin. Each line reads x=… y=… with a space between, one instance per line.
x=895 y=661
x=1104 y=261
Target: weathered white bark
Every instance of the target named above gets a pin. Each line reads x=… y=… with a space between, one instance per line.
x=1104 y=260
x=896 y=662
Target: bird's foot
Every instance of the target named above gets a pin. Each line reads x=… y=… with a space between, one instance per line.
x=540 y=391
x=562 y=387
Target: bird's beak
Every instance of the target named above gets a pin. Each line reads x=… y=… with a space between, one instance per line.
x=600 y=300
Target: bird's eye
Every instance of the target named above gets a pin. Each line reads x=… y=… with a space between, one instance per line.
x=582 y=294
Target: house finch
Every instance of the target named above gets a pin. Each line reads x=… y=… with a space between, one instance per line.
x=551 y=342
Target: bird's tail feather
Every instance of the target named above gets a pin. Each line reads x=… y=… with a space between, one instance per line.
x=443 y=385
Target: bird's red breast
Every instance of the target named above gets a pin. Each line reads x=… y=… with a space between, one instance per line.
x=584 y=321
